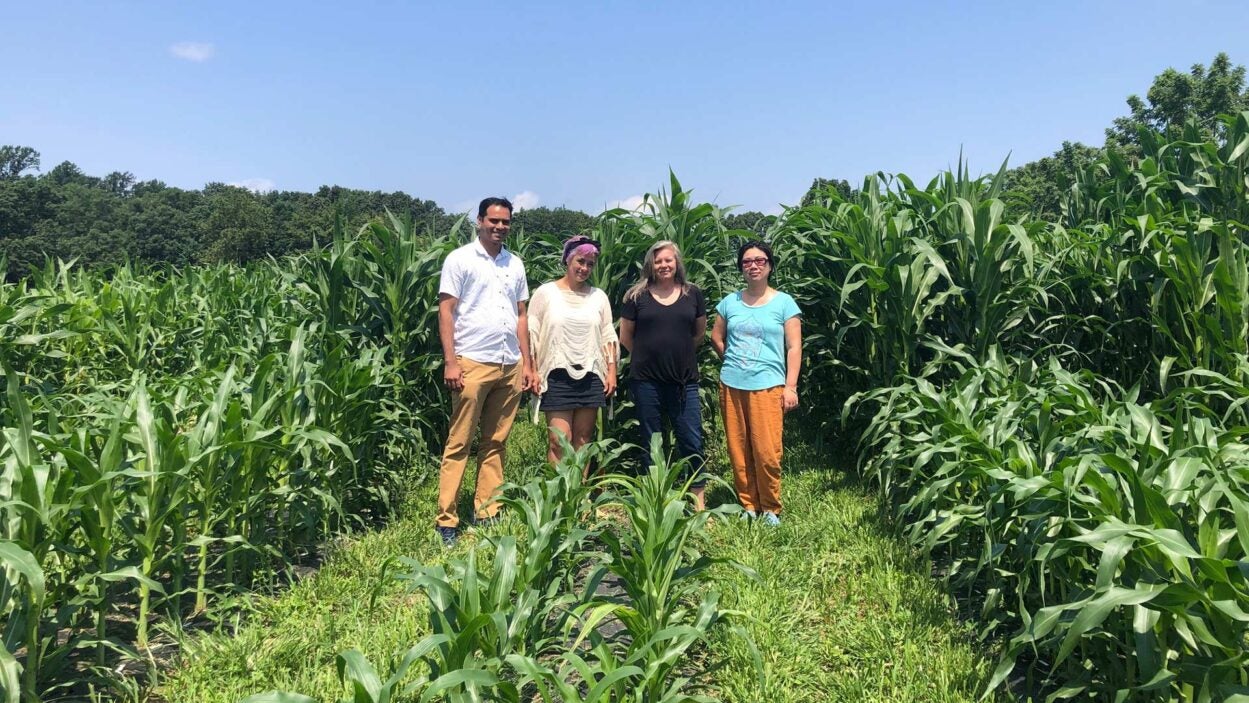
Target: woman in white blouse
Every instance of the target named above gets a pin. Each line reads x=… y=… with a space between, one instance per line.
x=574 y=347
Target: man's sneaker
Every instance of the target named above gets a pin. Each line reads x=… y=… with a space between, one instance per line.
x=448 y=535
x=771 y=519
x=748 y=515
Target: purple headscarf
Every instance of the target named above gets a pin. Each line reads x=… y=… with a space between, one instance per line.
x=580 y=244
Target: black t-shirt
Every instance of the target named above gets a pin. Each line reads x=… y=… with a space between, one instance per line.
x=663 y=337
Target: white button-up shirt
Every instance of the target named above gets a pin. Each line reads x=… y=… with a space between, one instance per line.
x=488 y=289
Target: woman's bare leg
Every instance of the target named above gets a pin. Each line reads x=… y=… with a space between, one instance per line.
x=583 y=423
x=558 y=422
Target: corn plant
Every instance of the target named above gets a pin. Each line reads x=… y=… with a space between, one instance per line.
x=497 y=631
x=655 y=557
x=1170 y=257
x=165 y=433
x=1105 y=532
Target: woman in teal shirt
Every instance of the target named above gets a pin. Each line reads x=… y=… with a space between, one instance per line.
x=758 y=335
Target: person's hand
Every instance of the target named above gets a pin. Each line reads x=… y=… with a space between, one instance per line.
x=789 y=399
x=453 y=376
x=529 y=380
x=609 y=386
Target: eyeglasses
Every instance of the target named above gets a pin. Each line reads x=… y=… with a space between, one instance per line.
x=754 y=262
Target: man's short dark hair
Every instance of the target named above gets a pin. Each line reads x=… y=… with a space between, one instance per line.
x=491 y=202
x=755 y=244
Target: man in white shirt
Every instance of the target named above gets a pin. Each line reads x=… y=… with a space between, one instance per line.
x=485 y=350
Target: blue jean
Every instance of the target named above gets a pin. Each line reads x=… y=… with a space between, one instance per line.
x=654 y=401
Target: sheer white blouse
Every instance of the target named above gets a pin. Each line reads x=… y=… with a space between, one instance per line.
x=568 y=330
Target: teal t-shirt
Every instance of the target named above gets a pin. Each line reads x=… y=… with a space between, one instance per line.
x=754 y=354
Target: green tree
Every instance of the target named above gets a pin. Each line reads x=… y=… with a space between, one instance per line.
x=86 y=223
x=145 y=187
x=544 y=220
x=118 y=183
x=162 y=223
x=1037 y=188
x=16 y=159
x=24 y=202
x=820 y=186
x=236 y=225
x=68 y=172
x=297 y=219
x=751 y=221
x=1202 y=94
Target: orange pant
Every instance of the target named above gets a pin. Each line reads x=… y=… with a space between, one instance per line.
x=752 y=433
x=490 y=397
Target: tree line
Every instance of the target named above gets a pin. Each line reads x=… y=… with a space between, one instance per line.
x=1174 y=98
x=67 y=214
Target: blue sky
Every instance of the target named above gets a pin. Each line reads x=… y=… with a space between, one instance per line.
x=581 y=104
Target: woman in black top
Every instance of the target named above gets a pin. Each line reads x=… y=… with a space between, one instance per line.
x=663 y=322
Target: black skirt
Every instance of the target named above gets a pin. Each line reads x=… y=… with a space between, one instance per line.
x=563 y=392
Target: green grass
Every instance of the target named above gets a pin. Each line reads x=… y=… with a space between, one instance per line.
x=841 y=612
x=289 y=642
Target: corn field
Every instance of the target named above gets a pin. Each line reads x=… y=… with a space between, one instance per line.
x=1056 y=412
x=532 y=627
x=171 y=439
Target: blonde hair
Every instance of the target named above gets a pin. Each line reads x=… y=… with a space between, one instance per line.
x=648 y=270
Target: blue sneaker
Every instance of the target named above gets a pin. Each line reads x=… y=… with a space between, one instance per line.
x=748 y=515
x=448 y=536
x=771 y=519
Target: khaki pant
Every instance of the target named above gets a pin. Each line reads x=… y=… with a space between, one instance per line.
x=752 y=432
x=490 y=397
